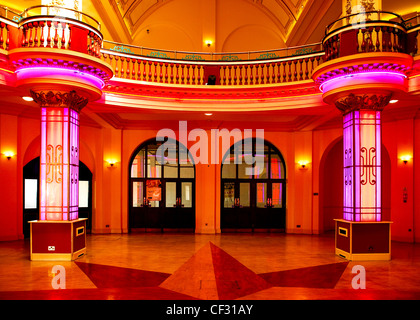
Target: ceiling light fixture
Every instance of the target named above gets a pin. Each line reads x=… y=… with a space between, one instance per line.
x=208 y=114
x=393 y=101
x=26 y=98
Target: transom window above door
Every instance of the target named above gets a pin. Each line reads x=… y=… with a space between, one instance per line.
x=254 y=156
x=166 y=159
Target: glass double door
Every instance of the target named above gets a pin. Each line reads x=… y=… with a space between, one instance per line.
x=159 y=204
x=249 y=205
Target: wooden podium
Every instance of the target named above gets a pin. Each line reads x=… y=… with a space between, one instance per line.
x=57 y=240
x=357 y=241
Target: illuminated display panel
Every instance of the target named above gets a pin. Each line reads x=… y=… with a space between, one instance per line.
x=59 y=188
x=362 y=166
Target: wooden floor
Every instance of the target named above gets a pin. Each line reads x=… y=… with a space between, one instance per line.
x=209 y=267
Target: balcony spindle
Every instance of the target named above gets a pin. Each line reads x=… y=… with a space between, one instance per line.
x=187 y=69
x=2 y=25
x=377 y=45
x=300 y=69
x=31 y=40
x=133 y=68
x=49 y=34
x=166 y=72
x=63 y=36
x=172 y=73
x=138 y=63
x=129 y=68
x=41 y=30
x=160 y=72
x=117 y=71
x=251 y=74
x=193 y=74
x=155 y=71
x=24 y=30
x=36 y=27
x=182 y=74
x=150 y=71
x=56 y=34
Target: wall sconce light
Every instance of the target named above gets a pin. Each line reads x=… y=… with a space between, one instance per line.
x=111 y=163
x=406 y=158
x=303 y=163
x=9 y=154
x=208 y=43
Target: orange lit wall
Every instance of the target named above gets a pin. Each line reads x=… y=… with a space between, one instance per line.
x=304 y=192
x=399 y=138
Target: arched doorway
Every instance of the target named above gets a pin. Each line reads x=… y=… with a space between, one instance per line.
x=31 y=194
x=162 y=188
x=331 y=185
x=256 y=201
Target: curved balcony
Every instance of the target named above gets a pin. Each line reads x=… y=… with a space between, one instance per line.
x=372 y=51
x=200 y=68
x=371 y=31
x=45 y=35
x=53 y=48
x=57 y=29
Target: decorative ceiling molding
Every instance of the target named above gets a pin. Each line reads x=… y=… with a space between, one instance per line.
x=132 y=18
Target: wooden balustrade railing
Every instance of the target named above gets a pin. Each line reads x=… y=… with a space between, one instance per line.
x=4 y=35
x=44 y=32
x=271 y=72
x=226 y=74
x=138 y=68
x=369 y=39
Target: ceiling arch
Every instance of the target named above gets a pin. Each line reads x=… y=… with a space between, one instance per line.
x=284 y=14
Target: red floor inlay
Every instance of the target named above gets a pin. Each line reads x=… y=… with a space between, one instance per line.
x=213 y=274
x=233 y=279
x=116 y=277
x=210 y=274
x=324 y=276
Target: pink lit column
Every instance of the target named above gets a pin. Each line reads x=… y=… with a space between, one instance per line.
x=59 y=165
x=362 y=156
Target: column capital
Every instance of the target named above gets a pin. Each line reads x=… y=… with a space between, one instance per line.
x=352 y=102
x=55 y=98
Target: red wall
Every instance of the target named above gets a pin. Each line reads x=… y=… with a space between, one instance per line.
x=312 y=198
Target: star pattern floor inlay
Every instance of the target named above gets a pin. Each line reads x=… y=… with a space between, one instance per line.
x=199 y=267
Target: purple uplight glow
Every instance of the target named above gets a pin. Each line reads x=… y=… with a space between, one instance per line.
x=59 y=72
x=390 y=77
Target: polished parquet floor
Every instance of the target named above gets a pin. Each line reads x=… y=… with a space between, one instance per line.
x=209 y=267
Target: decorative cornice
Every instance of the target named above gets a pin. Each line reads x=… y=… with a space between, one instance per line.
x=354 y=102
x=57 y=99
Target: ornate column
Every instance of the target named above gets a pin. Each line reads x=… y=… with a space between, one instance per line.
x=362 y=155
x=61 y=80
x=59 y=171
x=361 y=85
